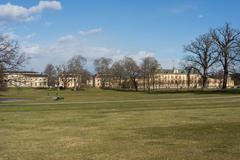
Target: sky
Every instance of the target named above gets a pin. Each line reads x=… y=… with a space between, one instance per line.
x=54 y=31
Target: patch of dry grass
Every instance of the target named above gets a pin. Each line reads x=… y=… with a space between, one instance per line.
x=186 y=129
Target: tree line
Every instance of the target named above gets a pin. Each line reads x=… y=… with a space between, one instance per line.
x=124 y=71
x=10 y=57
x=72 y=70
x=216 y=52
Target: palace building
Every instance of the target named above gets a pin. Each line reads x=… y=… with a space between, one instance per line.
x=26 y=79
x=166 y=78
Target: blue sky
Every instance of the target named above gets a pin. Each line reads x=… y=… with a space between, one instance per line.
x=53 y=32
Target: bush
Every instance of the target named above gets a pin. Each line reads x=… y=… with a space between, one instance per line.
x=58 y=98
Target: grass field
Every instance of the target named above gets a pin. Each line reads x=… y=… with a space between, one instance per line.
x=113 y=125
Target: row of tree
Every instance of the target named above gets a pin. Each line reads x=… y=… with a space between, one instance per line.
x=126 y=71
x=219 y=49
x=10 y=57
x=216 y=53
x=72 y=70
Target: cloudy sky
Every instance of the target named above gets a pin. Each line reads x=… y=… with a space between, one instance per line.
x=54 y=31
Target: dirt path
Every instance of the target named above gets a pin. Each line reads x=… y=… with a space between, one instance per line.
x=121 y=101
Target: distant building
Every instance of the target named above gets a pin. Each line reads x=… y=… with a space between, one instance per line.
x=180 y=79
x=166 y=78
x=97 y=82
x=68 y=82
x=26 y=79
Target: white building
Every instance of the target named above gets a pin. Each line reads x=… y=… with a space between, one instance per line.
x=168 y=78
x=26 y=79
x=68 y=82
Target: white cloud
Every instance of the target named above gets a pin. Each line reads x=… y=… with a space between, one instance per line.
x=91 y=31
x=69 y=45
x=169 y=63
x=10 y=35
x=140 y=55
x=31 y=49
x=29 y=36
x=182 y=8
x=66 y=38
x=53 y=5
x=10 y=12
x=47 y=24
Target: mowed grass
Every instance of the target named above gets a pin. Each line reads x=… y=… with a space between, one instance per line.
x=112 y=125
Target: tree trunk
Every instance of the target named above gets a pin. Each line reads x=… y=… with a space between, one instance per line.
x=120 y=82
x=225 y=78
x=65 y=84
x=204 y=79
x=103 y=83
x=204 y=82
x=225 y=73
x=153 y=81
x=135 y=84
x=79 y=82
x=144 y=82
x=148 y=83
x=188 y=79
x=75 y=84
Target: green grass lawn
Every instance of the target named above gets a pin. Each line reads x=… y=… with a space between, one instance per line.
x=113 y=125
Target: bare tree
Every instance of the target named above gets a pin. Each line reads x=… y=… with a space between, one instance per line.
x=227 y=39
x=76 y=69
x=85 y=76
x=187 y=67
x=10 y=56
x=52 y=74
x=102 y=67
x=3 y=82
x=148 y=68
x=117 y=70
x=132 y=71
x=236 y=78
x=63 y=75
x=202 y=56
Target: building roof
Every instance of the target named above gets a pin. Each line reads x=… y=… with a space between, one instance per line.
x=176 y=71
x=36 y=75
x=27 y=73
x=172 y=71
x=21 y=72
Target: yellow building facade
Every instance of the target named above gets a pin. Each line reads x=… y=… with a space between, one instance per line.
x=26 y=79
x=167 y=79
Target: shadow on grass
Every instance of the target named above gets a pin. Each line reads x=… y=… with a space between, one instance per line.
x=121 y=89
x=200 y=91
x=177 y=91
x=220 y=136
